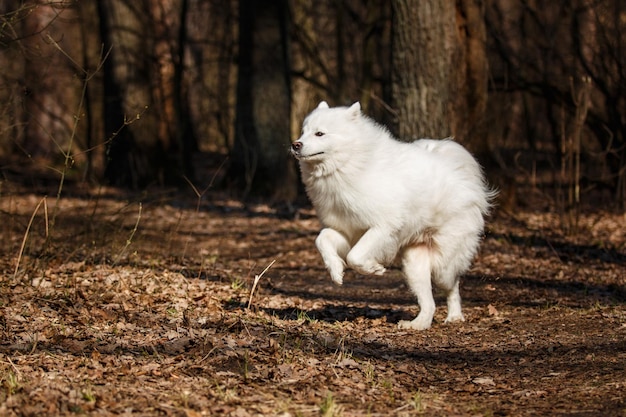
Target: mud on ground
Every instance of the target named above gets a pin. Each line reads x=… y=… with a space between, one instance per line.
x=138 y=306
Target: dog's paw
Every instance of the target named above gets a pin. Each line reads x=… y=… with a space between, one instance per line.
x=337 y=277
x=377 y=269
x=336 y=271
x=415 y=324
x=368 y=267
x=454 y=318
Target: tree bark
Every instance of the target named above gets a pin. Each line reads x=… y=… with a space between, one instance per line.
x=472 y=72
x=130 y=159
x=439 y=67
x=260 y=163
x=50 y=107
x=142 y=115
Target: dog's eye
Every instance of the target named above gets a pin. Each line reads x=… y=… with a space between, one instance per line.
x=319 y=133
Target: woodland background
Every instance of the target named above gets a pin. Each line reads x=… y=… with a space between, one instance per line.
x=157 y=254
x=127 y=93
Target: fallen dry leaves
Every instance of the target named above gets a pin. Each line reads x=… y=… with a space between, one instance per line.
x=103 y=319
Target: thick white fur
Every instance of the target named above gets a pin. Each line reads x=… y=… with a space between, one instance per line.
x=380 y=199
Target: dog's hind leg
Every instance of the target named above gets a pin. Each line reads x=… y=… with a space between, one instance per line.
x=454 y=304
x=446 y=277
x=333 y=246
x=416 y=263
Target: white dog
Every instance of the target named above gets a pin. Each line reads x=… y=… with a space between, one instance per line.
x=379 y=199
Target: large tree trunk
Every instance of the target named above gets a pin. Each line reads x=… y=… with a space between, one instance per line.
x=439 y=71
x=133 y=148
x=472 y=72
x=260 y=163
x=142 y=114
x=92 y=56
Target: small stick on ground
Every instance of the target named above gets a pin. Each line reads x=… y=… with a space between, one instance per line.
x=129 y=241
x=257 y=278
x=30 y=223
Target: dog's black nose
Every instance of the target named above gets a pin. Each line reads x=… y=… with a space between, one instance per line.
x=296 y=146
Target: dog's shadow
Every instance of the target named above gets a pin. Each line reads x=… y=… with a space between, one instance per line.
x=335 y=314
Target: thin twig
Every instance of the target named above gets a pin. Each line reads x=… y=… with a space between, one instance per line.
x=30 y=223
x=68 y=153
x=257 y=278
x=130 y=238
x=199 y=195
x=17 y=371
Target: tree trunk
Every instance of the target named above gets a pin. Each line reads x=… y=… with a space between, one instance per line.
x=92 y=56
x=439 y=68
x=126 y=97
x=168 y=24
x=51 y=108
x=140 y=109
x=472 y=72
x=260 y=163
x=185 y=136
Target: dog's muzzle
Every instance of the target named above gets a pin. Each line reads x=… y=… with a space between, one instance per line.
x=296 y=149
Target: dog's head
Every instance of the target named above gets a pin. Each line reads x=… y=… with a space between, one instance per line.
x=326 y=133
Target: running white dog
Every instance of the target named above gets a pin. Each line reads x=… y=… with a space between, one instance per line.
x=379 y=199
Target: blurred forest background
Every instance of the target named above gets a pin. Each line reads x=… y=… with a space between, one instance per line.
x=137 y=93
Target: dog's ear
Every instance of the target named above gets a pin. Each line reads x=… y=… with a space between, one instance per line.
x=322 y=105
x=355 y=110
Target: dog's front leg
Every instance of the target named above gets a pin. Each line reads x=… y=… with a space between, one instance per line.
x=333 y=246
x=375 y=248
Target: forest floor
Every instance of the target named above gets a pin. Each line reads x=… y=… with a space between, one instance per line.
x=142 y=306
